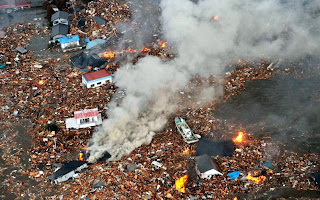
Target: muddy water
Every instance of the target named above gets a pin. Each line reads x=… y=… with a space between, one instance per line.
x=284 y=109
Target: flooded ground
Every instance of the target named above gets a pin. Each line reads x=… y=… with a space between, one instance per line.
x=39 y=46
x=284 y=109
x=32 y=15
x=15 y=143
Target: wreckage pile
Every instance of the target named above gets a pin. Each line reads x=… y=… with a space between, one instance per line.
x=52 y=91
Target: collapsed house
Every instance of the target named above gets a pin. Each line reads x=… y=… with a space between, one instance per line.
x=97 y=78
x=68 y=171
x=206 y=167
x=84 y=119
x=83 y=61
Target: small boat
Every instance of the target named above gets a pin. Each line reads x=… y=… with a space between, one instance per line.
x=186 y=132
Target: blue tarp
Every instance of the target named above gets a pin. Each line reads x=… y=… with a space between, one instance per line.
x=94 y=43
x=234 y=175
x=67 y=39
x=2 y=66
x=268 y=165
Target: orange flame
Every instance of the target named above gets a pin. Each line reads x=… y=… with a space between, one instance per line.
x=239 y=138
x=129 y=50
x=256 y=179
x=145 y=49
x=41 y=82
x=162 y=44
x=180 y=183
x=236 y=198
x=81 y=158
x=109 y=54
x=187 y=150
x=215 y=18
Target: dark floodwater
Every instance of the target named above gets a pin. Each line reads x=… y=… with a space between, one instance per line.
x=286 y=109
x=33 y=15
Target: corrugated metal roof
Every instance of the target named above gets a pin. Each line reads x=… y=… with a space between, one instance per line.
x=67 y=39
x=96 y=75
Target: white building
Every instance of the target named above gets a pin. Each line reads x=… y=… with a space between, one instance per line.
x=84 y=119
x=206 y=167
x=97 y=78
x=70 y=42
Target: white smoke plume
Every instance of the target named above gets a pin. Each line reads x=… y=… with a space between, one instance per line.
x=249 y=29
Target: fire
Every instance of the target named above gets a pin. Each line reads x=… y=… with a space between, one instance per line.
x=109 y=54
x=129 y=50
x=239 y=138
x=145 y=49
x=162 y=44
x=83 y=153
x=236 y=198
x=180 y=183
x=187 y=150
x=41 y=82
x=81 y=157
x=256 y=179
x=215 y=18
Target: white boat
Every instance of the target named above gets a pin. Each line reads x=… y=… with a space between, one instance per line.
x=186 y=132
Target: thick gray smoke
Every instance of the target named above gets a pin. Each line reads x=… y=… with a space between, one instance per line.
x=245 y=29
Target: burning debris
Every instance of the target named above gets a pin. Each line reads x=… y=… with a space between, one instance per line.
x=180 y=184
x=256 y=179
x=239 y=138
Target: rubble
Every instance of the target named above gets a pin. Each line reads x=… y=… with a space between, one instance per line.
x=50 y=90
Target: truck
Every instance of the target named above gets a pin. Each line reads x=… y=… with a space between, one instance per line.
x=185 y=131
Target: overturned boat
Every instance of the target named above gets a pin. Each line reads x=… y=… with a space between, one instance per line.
x=186 y=132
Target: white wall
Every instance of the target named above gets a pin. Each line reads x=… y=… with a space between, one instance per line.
x=94 y=84
x=70 y=44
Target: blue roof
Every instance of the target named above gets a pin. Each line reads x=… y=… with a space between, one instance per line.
x=94 y=43
x=67 y=39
